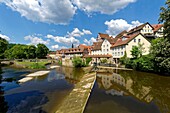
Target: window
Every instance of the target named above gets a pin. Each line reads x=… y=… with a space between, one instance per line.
x=134 y=40
x=122 y=53
x=138 y=40
x=103 y=45
x=107 y=49
x=118 y=53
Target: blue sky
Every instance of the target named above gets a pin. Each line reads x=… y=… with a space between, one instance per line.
x=59 y=23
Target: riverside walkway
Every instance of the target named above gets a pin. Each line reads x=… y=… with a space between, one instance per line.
x=76 y=101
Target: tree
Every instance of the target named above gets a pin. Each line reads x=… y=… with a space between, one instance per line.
x=18 y=52
x=30 y=53
x=41 y=51
x=165 y=18
x=3 y=46
x=137 y=51
x=160 y=48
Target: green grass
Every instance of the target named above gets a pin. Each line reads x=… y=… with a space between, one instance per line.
x=33 y=65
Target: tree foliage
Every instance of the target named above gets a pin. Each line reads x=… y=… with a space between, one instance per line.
x=165 y=19
x=41 y=51
x=78 y=62
x=3 y=47
x=137 y=51
x=19 y=51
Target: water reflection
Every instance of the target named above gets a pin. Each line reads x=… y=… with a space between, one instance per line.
x=145 y=87
x=48 y=90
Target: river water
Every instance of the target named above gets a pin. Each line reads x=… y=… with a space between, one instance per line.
x=130 y=92
x=117 y=92
x=41 y=95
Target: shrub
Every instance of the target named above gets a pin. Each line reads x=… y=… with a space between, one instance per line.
x=78 y=62
x=104 y=61
x=88 y=60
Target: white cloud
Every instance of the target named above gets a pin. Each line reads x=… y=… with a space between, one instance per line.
x=62 y=11
x=5 y=37
x=77 y=33
x=35 y=40
x=69 y=38
x=102 y=6
x=55 y=46
x=118 y=25
x=90 y=42
x=87 y=32
x=48 y=11
x=64 y=40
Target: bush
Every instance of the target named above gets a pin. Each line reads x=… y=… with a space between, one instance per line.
x=88 y=60
x=78 y=62
x=60 y=62
x=144 y=63
x=104 y=61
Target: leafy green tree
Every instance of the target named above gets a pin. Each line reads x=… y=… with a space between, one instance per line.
x=137 y=51
x=160 y=48
x=3 y=47
x=16 y=52
x=30 y=53
x=165 y=19
x=41 y=51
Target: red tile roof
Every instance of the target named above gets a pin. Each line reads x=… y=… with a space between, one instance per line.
x=124 y=42
x=97 y=45
x=106 y=36
x=157 y=27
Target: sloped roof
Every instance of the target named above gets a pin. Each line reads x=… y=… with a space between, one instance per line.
x=124 y=42
x=120 y=35
x=157 y=27
x=97 y=45
x=138 y=28
x=106 y=36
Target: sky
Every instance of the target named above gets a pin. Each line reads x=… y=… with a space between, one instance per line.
x=60 y=23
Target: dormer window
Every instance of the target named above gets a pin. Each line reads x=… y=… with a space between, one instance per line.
x=124 y=38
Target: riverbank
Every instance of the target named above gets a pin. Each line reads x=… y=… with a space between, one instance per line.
x=76 y=101
x=30 y=65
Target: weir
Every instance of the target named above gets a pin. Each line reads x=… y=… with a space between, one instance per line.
x=76 y=101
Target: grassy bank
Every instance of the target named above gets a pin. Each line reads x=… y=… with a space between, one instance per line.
x=32 y=65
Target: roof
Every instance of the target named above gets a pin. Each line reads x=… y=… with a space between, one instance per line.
x=157 y=27
x=75 y=50
x=138 y=28
x=97 y=45
x=84 y=46
x=120 y=35
x=106 y=36
x=124 y=42
x=98 y=56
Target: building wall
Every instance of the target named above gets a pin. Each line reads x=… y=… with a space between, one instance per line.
x=96 y=52
x=135 y=42
x=159 y=33
x=106 y=47
x=118 y=52
x=147 y=29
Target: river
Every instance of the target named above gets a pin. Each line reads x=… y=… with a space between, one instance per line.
x=117 y=92
x=130 y=92
x=41 y=95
